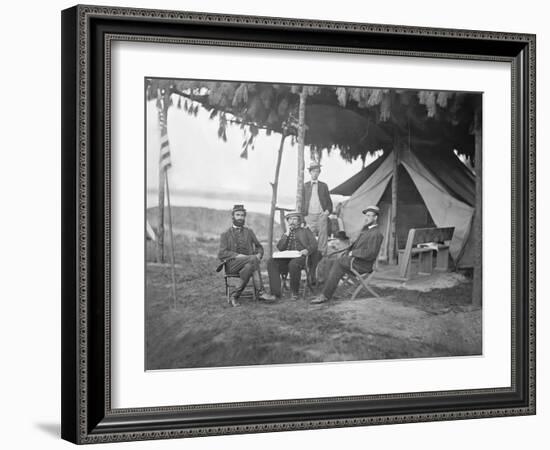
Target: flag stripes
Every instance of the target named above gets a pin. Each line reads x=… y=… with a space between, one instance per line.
x=165 y=161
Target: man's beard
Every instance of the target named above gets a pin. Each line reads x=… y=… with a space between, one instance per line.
x=238 y=222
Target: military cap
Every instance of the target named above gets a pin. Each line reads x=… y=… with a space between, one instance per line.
x=374 y=209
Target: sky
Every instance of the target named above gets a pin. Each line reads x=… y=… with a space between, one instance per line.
x=206 y=171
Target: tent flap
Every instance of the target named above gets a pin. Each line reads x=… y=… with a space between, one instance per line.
x=369 y=193
x=445 y=205
x=446 y=210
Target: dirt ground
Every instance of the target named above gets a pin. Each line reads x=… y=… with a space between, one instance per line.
x=205 y=332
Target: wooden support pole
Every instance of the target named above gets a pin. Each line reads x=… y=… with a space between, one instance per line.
x=392 y=250
x=274 y=188
x=301 y=143
x=477 y=223
x=172 y=252
x=282 y=219
x=162 y=174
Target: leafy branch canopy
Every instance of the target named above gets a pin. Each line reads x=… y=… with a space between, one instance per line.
x=356 y=121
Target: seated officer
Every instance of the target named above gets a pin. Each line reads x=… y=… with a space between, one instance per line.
x=295 y=238
x=336 y=249
x=365 y=251
x=241 y=251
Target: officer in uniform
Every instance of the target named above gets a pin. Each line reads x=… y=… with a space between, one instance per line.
x=241 y=251
x=295 y=238
x=365 y=251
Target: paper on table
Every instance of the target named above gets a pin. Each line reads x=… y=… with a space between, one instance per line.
x=287 y=254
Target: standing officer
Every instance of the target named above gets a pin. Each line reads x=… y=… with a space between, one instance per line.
x=316 y=206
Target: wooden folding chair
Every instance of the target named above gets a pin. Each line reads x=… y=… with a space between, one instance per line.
x=227 y=277
x=363 y=280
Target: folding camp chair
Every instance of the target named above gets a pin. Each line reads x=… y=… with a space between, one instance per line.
x=229 y=286
x=363 y=280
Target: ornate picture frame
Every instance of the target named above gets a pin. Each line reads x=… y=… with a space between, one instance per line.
x=88 y=33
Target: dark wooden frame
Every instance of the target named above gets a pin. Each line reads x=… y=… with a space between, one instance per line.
x=87 y=32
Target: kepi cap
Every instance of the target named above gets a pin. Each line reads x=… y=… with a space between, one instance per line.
x=314 y=165
x=238 y=208
x=374 y=209
x=290 y=214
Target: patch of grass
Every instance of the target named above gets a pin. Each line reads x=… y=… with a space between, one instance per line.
x=206 y=332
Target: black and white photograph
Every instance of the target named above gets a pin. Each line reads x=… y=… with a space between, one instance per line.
x=298 y=224
x=275 y=225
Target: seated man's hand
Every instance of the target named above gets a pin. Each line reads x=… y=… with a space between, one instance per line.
x=304 y=252
x=259 y=256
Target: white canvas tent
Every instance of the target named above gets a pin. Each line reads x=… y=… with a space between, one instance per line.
x=435 y=189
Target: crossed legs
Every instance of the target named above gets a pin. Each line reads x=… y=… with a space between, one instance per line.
x=246 y=267
x=337 y=270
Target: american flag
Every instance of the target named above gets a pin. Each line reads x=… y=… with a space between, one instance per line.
x=165 y=161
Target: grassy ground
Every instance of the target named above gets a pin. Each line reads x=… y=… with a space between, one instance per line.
x=205 y=332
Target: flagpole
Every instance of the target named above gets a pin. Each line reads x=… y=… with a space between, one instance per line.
x=160 y=244
x=162 y=111
x=172 y=257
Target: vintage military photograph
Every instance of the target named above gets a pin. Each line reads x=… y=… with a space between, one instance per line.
x=299 y=224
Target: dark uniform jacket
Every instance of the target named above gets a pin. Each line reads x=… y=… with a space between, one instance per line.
x=366 y=247
x=324 y=197
x=228 y=243
x=305 y=239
